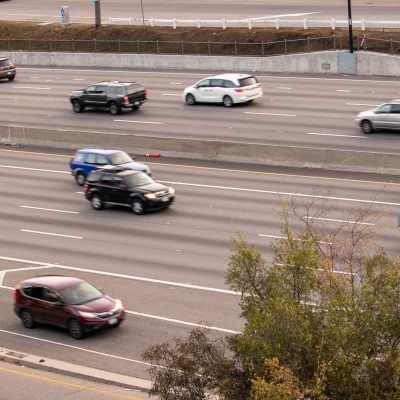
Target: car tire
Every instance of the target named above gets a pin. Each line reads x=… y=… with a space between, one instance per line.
x=190 y=100
x=11 y=78
x=227 y=101
x=80 y=178
x=27 y=319
x=367 y=127
x=137 y=207
x=97 y=202
x=75 y=329
x=115 y=109
x=77 y=106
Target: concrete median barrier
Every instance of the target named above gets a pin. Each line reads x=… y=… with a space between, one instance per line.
x=208 y=150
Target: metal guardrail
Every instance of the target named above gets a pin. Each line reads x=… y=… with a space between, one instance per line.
x=261 y=22
x=281 y=47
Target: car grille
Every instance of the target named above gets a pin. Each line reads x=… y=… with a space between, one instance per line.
x=107 y=314
x=162 y=193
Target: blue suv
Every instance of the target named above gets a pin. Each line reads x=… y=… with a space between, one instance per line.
x=87 y=160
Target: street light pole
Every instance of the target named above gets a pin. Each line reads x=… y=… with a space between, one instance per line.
x=351 y=46
x=141 y=6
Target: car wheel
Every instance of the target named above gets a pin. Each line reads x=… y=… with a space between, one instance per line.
x=27 y=319
x=97 y=202
x=367 y=127
x=80 y=178
x=75 y=329
x=190 y=100
x=11 y=78
x=227 y=100
x=77 y=106
x=137 y=207
x=115 y=109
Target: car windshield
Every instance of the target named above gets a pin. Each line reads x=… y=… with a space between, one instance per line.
x=80 y=294
x=119 y=158
x=138 y=179
x=5 y=63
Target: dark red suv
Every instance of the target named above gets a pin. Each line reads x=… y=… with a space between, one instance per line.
x=66 y=302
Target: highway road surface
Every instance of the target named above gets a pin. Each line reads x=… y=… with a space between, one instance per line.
x=168 y=267
x=83 y=10
x=296 y=110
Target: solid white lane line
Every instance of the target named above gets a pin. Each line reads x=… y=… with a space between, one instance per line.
x=343 y=90
x=171 y=94
x=79 y=79
x=34 y=169
x=362 y=104
x=177 y=321
x=51 y=234
x=5 y=271
x=139 y=122
x=31 y=87
x=331 y=134
x=273 y=114
x=284 y=88
x=51 y=209
x=340 y=220
x=75 y=347
x=175 y=83
x=123 y=276
x=312 y=196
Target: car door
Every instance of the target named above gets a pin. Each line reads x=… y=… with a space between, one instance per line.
x=203 y=90
x=98 y=98
x=121 y=193
x=382 y=116
x=394 y=117
x=217 y=90
x=54 y=311
x=87 y=96
x=33 y=301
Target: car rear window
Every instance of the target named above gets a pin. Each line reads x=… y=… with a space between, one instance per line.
x=251 y=80
x=134 y=88
x=4 y=63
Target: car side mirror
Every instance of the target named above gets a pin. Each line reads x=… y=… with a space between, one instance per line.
x=85 y=91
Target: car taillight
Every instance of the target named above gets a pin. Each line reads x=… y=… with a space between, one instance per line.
x=14 y=66
x=126 y=99
x=259 y=85
x=145 y=93
x=16 y=294
x=85 y=187
x=2 y=68
x=240 y=90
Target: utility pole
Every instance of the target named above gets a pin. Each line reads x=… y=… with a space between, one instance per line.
x=141 y=6
x=351 y=46
x=97 y=13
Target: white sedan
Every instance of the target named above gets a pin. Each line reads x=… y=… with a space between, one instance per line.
x=227 y=89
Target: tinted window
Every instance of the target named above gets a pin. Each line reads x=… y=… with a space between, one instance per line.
x=385 y=108
x=107 y=180
x=204 y=83
x=396 y=108
x=50 y=295
x=100 y=89
x=80 y=294
x=217 y=82
x=34 y=291
x=4 y=63
x=94 y=176
x=119 y=158
x=229 y=84
x=132 y=88
x=91 y=89
x=79 y=157
x=251 y=80
x=138 y=179
x=101 y=160
x=91 y=158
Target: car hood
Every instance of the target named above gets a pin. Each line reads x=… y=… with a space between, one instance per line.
x=152 y=188
x=367 y=113
x=135 y=166
x=102 y=304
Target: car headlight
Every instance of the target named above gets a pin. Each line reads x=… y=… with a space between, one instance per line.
x=171 y=190
x=88 y=314
x=118 y=305
x=150 y=196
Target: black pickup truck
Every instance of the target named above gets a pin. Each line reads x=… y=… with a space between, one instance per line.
x=113 y=96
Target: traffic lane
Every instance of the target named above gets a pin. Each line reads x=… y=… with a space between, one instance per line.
x=116 y=350
x=21 y=382
x=280 y=115
x=174 y=302
x=83 y=12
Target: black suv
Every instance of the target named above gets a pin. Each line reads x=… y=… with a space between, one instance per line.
x=109 y=95
x=119 y=186
x=7 y=69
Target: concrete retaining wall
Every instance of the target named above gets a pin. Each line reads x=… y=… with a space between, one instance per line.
x=253 y=153
x=326 y=62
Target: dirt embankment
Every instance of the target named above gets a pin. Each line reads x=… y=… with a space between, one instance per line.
x=35 y=31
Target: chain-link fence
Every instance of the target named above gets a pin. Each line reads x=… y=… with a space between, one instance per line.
x=282 y=47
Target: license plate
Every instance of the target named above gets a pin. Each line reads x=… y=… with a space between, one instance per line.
x=112 y=321
x=165 y=198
